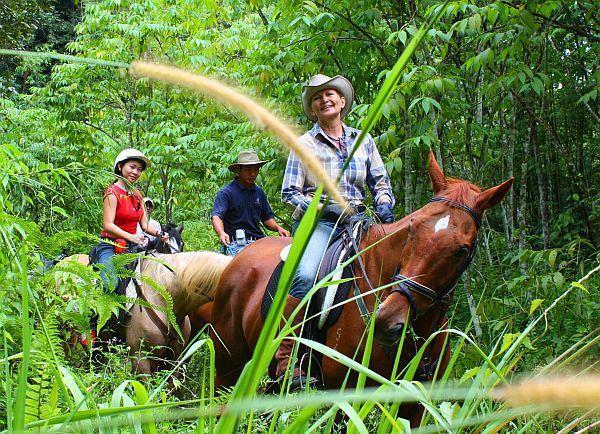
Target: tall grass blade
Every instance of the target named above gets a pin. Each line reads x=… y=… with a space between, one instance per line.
x=20 y=395
x=141 y=398
x=265 y=347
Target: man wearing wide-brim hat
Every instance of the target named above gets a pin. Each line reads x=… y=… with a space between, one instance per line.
x=241 y=206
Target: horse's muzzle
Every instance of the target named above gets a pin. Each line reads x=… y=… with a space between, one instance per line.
x=390 y=320
x=388 y=335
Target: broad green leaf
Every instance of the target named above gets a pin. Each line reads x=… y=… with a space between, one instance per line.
x=535 y=304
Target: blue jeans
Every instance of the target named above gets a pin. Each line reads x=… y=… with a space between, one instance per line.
x=234 y=248
x=105 y=253
x=306 y=272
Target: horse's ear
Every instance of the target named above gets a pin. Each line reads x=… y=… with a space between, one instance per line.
x=438 y=180
x=163 y=228
x=492 y=196
x=180 y=228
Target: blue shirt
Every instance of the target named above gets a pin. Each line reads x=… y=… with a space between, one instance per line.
x=242 y=208
x=366 y=169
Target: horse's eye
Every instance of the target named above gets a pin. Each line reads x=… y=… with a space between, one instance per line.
x=462 y=252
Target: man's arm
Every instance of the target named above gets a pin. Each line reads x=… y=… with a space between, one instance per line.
x=219 y=210
x=268 y=216
x=272 y=225
x=219 y=228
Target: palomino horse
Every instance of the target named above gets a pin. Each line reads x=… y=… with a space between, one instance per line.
x=429 y=248
x=147 y=331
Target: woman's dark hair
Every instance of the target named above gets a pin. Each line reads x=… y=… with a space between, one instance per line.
x=120 y=170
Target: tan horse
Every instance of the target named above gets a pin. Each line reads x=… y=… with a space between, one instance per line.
x=149 y=346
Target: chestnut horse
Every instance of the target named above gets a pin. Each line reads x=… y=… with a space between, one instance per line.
x=429 y=249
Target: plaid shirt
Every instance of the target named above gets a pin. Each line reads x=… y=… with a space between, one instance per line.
x=366 y=166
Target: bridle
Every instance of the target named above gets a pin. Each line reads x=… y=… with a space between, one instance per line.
x=172 y=245
x=409 y=287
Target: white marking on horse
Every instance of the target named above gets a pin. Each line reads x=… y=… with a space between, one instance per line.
x=173 y=245
x=442 y=223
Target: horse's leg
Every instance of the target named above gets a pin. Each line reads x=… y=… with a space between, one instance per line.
x=141 y=366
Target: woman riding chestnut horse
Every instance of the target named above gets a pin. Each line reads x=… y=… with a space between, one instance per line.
x=326 y=101
x=422 y=256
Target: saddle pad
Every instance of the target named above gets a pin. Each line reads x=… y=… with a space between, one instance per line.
x=337 y=296
x=267 y=300
x=285 y=252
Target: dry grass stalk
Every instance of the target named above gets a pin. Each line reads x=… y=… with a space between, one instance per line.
x=256 y=112
x=581 y=391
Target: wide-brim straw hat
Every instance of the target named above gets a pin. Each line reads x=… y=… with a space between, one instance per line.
x=320 y=82
x=147 y=199
x=246 y=158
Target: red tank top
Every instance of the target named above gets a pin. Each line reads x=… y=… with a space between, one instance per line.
x=129 y=209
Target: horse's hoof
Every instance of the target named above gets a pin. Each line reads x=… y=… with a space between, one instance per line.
x=298 y=383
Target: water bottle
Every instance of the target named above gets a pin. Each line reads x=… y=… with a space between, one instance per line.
x=240 y=237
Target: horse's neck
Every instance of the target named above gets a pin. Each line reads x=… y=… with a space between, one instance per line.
x=383 y=257
x=165 y=278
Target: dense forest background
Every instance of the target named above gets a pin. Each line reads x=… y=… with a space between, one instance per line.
x=497 y=89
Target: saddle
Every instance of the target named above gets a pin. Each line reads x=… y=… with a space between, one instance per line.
x=326 y=304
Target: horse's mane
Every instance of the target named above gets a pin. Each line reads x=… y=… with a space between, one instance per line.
x=195 y=278
x=460 y=191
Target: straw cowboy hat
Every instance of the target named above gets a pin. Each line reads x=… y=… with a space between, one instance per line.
x=130 y=154
x=246 y=158
x=320 y=82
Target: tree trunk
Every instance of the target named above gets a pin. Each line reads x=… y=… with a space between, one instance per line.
x=164 y=180
x=522 y=200
x=408 y=185
x=434 y=127
x=421 y=179
x=540 y=181
x=510 y=170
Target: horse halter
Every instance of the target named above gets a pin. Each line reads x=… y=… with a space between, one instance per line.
x=407 y=286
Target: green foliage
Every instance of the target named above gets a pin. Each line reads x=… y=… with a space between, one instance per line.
x=496 y=89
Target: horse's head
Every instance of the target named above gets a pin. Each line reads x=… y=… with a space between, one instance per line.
x=441 y=241
x=175 y=242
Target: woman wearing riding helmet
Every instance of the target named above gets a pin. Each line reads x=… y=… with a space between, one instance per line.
x=123 y=209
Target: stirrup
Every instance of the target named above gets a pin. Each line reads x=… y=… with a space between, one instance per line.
x=301 y=382
x=298 y=382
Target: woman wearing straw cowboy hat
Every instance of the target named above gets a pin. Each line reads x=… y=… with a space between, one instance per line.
x=326 y=101
x=241 y=206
